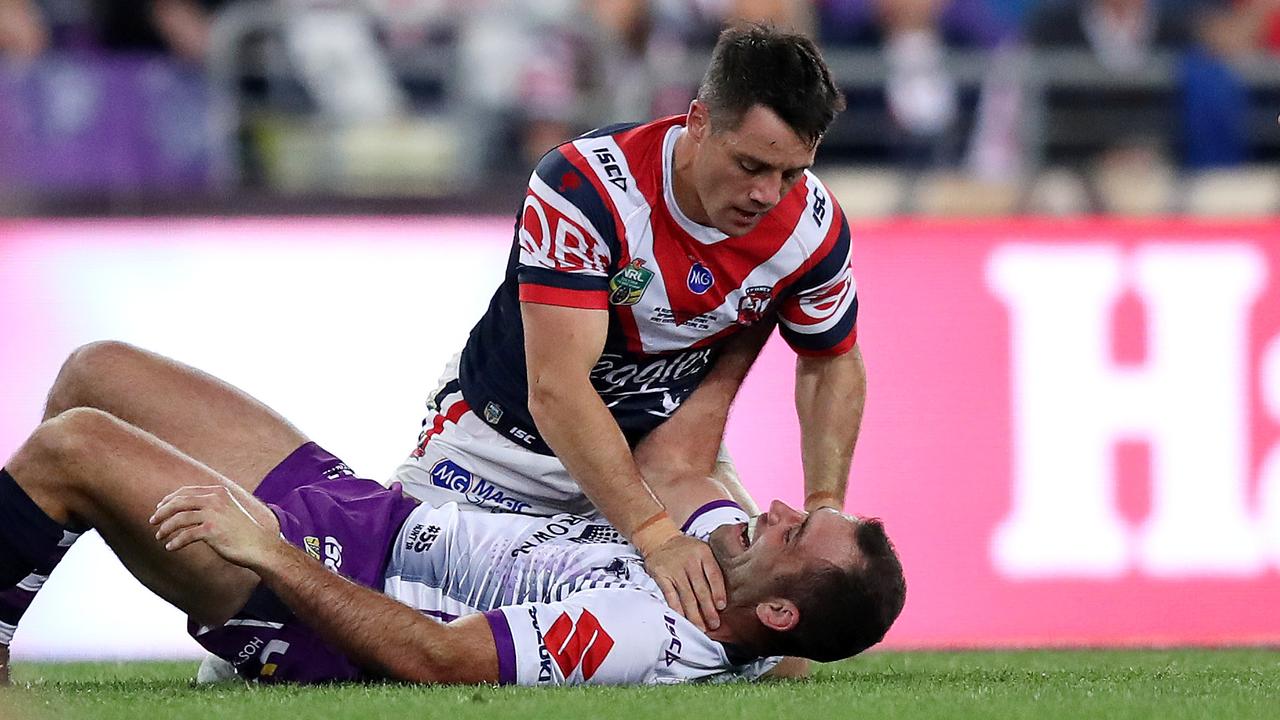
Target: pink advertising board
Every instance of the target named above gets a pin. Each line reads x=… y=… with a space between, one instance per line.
x=1072 y=431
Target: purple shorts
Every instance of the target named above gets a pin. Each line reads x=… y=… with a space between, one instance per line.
x=347 y=523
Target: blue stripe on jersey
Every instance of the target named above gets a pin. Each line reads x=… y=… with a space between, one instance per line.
x=559 y=279
x=830 y=266
x=607 y=130
x=818 y=342
x=562 y=176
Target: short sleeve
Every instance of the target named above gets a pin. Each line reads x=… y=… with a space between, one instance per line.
x=566 y=235
x=606 y=636
x=820 y=316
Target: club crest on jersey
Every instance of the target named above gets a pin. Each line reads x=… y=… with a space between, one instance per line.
x=751 y=306
x=492 y=412
x=700 y=279
x=627 y=286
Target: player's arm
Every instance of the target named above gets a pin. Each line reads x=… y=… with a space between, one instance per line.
x=819 y=321
x=384 y=637
x=680 y=458
x=831 y=392
x=562 y=344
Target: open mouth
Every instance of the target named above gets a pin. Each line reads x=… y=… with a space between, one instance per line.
x=749 y=531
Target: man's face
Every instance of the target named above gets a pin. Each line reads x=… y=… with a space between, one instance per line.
x=780 y=542
x=740 y=174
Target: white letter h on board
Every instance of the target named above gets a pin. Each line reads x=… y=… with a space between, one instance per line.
x=1072 y=403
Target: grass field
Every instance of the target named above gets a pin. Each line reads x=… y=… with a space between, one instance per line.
x=1041 y=684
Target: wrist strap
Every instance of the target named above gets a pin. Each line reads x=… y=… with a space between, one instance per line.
x=823 y=497
x=652 y=533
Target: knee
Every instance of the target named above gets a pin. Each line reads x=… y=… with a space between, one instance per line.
x=86 y=368
x=73 y=437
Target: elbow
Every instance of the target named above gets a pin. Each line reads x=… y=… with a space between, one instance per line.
x=549 y=395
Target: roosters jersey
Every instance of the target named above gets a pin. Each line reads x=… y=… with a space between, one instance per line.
x=567 y=597
x=600 y=229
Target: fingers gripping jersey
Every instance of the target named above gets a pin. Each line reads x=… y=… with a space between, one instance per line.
x=600 y=229
x=566 y=597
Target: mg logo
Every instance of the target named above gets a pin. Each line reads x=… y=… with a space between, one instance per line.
x=1188 y=402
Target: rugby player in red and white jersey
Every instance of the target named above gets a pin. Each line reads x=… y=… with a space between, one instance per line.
x=640 y=252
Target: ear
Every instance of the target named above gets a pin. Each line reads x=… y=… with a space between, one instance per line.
x=697 y=121
x=778 y=614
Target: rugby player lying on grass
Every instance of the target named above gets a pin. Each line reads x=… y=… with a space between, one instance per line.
x=315 y=575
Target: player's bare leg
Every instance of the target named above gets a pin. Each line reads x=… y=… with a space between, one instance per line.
x=87 y=469
x=205 y=418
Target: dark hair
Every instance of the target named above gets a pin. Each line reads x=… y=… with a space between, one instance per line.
x=844 y=611
x=760 y=65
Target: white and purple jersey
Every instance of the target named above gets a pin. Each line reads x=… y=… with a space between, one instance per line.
x=600 y=229
x=567 y=597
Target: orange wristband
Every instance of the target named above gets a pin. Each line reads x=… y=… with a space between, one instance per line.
x=835 y=500
x=653 y=532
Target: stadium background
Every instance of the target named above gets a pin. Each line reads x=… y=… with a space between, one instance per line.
x=1066 y=254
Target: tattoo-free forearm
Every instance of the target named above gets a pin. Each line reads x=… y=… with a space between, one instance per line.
x=830 y=396
x=575 y=423
x=383 y=636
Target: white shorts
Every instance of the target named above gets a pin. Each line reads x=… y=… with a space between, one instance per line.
x=461 y=459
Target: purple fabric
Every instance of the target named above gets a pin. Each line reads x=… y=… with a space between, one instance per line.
x=706 y=509
x=962 y=23
x=344 y=521
x=506 y=647
x=104 y=123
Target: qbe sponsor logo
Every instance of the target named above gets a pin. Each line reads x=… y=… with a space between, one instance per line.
x=1187 y=402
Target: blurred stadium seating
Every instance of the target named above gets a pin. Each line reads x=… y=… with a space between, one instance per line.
x=419 y=106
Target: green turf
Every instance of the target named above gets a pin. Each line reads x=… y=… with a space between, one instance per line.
x=1041 y=684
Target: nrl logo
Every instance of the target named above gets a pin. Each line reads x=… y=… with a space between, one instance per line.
x=627 y=286
x=751 y=306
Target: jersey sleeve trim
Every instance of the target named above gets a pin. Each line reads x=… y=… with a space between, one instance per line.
x=711 y=516
x=845 y=346
x=562 y=297
x=505 y=644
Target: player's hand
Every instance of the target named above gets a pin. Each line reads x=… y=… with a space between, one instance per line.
x=690 y=579
x=232 y=523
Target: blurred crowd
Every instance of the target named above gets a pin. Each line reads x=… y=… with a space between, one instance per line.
x=523 y=76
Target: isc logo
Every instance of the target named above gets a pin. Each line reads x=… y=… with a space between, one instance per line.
x=1187 y=403
x=611 y=168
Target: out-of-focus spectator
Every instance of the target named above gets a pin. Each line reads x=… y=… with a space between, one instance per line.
x=176 y=27
x=915 y=36
x=23 y=31
x=1120 y=33
x=870 y=23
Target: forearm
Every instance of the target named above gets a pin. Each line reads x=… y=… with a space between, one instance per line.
x=575 y=423
x=680 y=458
x=830 y=396
x=383 y=636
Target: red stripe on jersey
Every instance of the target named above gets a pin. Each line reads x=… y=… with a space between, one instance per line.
x=577 y=160
x=729 y=261
x=629 y=329
x=843 y=347
x=453 y=414
x=562 y=297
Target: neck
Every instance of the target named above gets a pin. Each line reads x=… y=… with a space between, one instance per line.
x=740 y=628
x=682 y=181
